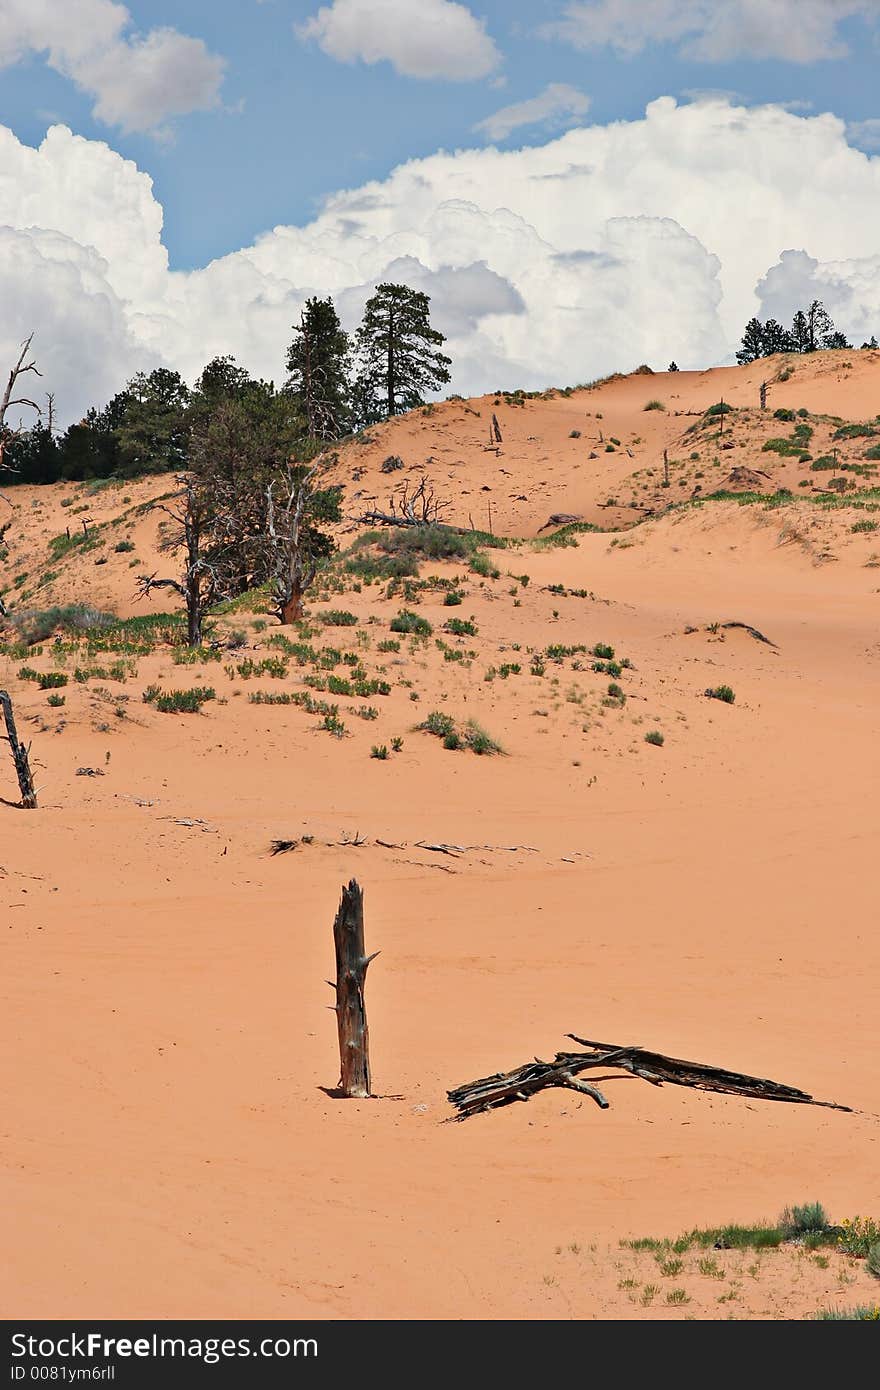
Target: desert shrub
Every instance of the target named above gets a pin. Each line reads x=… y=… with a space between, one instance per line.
x=269 y=666
x=603 y=651
x=809 y=1219
x=719 y=408
x=179 y=701
x=72 y=617
x=609 y=449
x=461 y=627
x=369 y=567
x=27 y=673
x=236 y=639
x=574 y=434
x=861 y=1313
x=786 y=448
x=721 y=692
x=438 y=723
x=52 y=680
x=855 y=432
x=655 y=737
x=479 y=741
x=332 y=724
x=392 y=464
x=62 y=545
x=123 y=547
x=783 y=414
x=338 y=617
x=873 y=1259
x=873 y=452
x=482 y=565
x=863 y=526
x=452 y=741
x=655 y=405
x=452 y=599
x=857 y=1235
x=56 y=701
x=397 y=745
x=379 y=751
x=411 y=624
x=427 y=542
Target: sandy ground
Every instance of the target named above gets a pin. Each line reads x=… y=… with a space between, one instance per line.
x=169 y=1144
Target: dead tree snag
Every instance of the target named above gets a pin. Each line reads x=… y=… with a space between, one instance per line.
x=20 y=755
x=351 y=1012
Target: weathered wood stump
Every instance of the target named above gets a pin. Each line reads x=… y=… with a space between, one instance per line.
x=19 y=755
x=351 y=1012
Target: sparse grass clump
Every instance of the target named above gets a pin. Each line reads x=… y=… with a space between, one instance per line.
x=655 y=405
x=472 y=737
x=179 y=701
x=482 y=565
x=338 y=617
x=36 y=626
x=809 y=1219
x=654 y=736
x=861 y=1313
x=721 y=692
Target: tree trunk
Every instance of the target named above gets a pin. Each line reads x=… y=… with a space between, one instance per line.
x=19 y=755
x=291 y=610
x=193 y=620
x=351 y=974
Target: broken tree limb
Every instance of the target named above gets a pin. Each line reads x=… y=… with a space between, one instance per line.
x=653 y=1067
x=20 y=755
x=351 y=1012
x=752 y=631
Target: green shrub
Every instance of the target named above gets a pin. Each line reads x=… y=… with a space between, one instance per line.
x=719 y=408
x=123 y=547
x=863 y=526
x=873 y=1259
x=53 y=680
x=56 y=701
x=452 y=599
x=438 y=724
x=36 y=626
x=655 y=737
x=379 y=751
x=855 y=432
x=603 y=651
x=655 y=405
x=478 y=741
x=179 y=701
x=858 y=1235
x=783 y=414
x=786 y=448
x=809 y=1219
x=861 y=1313
x=482 y=565
x=338 y=617
x=461 y=627
x=392 y=464
x=721 y=692
x=452 y=741
x=411 y=624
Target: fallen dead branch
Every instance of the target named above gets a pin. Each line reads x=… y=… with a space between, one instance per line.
x=752 y=631
x=523 y=1082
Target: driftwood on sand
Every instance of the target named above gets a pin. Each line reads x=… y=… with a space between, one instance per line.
x=523 y=1082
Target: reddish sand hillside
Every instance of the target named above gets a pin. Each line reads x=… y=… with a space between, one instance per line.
x=171 y=1143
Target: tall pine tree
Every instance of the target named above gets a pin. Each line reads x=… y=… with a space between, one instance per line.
x=318 y=363
x=399 y=353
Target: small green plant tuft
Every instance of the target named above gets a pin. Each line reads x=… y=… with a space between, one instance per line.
x=654 y=737
x=721 y=692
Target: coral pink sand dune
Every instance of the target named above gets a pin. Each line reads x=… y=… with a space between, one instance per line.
x=170 y=1148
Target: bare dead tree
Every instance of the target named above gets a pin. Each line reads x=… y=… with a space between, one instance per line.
x=292 y=545
x=421 y=507
x=201 y=530
x=20 y=754
x=8 y=399
x=351 y=974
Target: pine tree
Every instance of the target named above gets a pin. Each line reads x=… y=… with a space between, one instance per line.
x=673 y=367
x=752 y=343
x=318 y=362
x=399 y=353
x=800 y=332
x=776 y=338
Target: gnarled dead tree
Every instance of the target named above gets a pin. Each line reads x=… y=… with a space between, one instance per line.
x=421 y=507
x=8 y=399
x=292 y=543
x=201 y=529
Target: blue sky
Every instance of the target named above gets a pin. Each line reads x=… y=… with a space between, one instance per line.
x=294 y=124
x=579 y=185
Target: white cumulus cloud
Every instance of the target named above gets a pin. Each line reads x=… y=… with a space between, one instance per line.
x=420 y=38
x=138 y=81
x=796 y=31
x=558 y=105
x=610 y=245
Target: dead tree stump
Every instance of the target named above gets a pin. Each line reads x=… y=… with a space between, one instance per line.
x=19 y=755
x=351 y=1012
